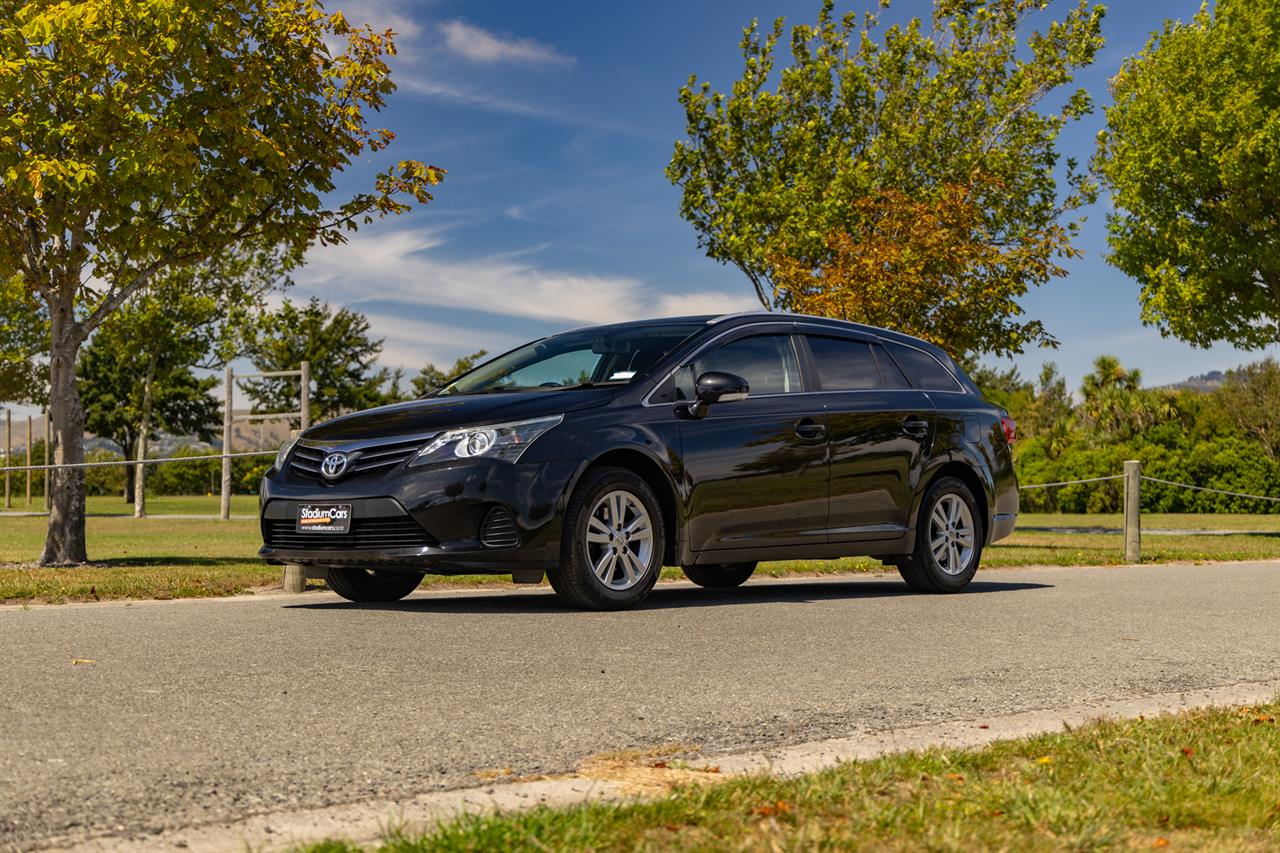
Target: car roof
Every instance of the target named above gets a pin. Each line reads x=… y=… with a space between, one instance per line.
x=743 y=318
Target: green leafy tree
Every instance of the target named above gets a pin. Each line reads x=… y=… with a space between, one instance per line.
x=136 y=372
x=138 y=136
x=23 y=334
x=432 y=377
x=1191 y=155
x=788 y=157
x=342 y=353
x=1251 y=395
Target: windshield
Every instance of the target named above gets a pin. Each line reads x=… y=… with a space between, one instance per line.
x=581 y=359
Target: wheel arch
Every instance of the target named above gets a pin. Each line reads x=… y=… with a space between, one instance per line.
x=656 y=476
x=967 y=473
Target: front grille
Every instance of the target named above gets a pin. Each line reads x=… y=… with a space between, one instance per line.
x=365 y=534
x=499 y=530
x=380 y=458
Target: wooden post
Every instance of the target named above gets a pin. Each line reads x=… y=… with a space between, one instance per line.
x=8 y=455
x=28 y=460
x=225 y=506
x=305 y=395
x=1132 y=511
x=48 y=459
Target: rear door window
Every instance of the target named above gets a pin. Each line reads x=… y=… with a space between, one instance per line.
x=924 y=371
x=843 y=364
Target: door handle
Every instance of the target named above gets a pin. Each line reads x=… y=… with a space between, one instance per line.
x=915 y=426
x=809 y=428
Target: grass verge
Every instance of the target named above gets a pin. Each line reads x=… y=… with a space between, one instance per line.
x=1198 y=780
x=195 y=557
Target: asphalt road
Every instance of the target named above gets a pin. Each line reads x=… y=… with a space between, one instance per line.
x=214 y=710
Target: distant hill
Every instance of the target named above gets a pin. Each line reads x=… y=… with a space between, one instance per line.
x=1203 y=383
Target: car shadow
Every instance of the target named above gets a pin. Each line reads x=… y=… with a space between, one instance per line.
x=667 y=597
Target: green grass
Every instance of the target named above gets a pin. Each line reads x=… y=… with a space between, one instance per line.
x=1203 y=780
x=181 y=558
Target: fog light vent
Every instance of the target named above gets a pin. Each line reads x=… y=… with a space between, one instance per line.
x=499 y=530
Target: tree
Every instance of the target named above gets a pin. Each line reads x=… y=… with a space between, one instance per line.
x=1191 y=155
x=342 y=353
x=432 y=377
x=927 y=268
x=136 y=372
x=1251 y=395
x=134 y=392
x=138 y=136
x=23 y=330
x=863 y=125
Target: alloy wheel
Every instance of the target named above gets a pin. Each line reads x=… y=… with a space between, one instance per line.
x=952 y=534
x=619 y=540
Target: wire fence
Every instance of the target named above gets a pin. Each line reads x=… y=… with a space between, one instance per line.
x=154 y=460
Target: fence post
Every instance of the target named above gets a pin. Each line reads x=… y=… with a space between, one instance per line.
x=305 y=398
x=28 y=460
x=225 y=506
x=8 y=455
x=48 y=459
x=1132 y=511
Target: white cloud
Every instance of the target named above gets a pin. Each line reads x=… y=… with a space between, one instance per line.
x=402 y=267
x=473 y=43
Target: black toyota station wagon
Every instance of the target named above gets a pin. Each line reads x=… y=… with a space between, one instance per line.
x=597 y=456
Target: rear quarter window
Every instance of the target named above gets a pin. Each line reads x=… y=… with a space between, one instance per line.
x=924 y=371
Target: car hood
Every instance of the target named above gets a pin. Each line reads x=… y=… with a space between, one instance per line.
x=435 y=414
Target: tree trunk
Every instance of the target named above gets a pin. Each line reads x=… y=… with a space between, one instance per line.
x=144 y=429
x=65 y=542
x=128 y=478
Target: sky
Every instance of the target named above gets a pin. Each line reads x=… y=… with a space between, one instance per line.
x=555 y=121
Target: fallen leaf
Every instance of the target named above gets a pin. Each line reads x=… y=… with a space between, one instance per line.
x=771 y=809
x=956 y=777
x=1188 y=751
x=1162 y=842
x=659 y=764
x=79 y=661
x=983 y=726
x=997 y=813
x=1044 y=759
x=710 y=768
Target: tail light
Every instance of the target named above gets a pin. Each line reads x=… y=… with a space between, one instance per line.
x=1010 y=429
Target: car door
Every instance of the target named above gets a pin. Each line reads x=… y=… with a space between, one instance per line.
x=756 y=468
x=880 y=428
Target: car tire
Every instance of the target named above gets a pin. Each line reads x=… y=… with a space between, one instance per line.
x=367 y=585
x=613 y=542
x=949 y=539
x=720 y=575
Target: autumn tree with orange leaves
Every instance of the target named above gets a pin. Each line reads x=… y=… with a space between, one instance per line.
x=929 y=268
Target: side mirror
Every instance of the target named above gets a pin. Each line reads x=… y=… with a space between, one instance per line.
x=716 y=387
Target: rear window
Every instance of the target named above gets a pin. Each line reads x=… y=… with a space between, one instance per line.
x=843 y=364
x=924 y=371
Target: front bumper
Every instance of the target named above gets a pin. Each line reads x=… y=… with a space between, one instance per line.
x=427 y=518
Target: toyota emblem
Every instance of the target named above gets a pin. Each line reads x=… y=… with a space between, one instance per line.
x=333 y=466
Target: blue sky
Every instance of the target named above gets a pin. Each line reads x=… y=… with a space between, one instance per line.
x=555 y=121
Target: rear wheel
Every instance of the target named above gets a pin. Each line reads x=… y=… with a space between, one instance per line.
x=949 y=538
x=720 y=575
x=369 y=585
x=613 y=542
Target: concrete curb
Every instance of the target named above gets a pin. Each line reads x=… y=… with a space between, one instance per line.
x=366 y=822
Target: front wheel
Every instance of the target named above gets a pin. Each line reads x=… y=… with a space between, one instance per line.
x=366 y=585
x=720 y=575
x=949 y=539
x=613 y=542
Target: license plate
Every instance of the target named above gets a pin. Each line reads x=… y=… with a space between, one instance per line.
x=324 y=518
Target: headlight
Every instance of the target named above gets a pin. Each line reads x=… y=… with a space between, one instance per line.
x=284 y=453
x=497 y=441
